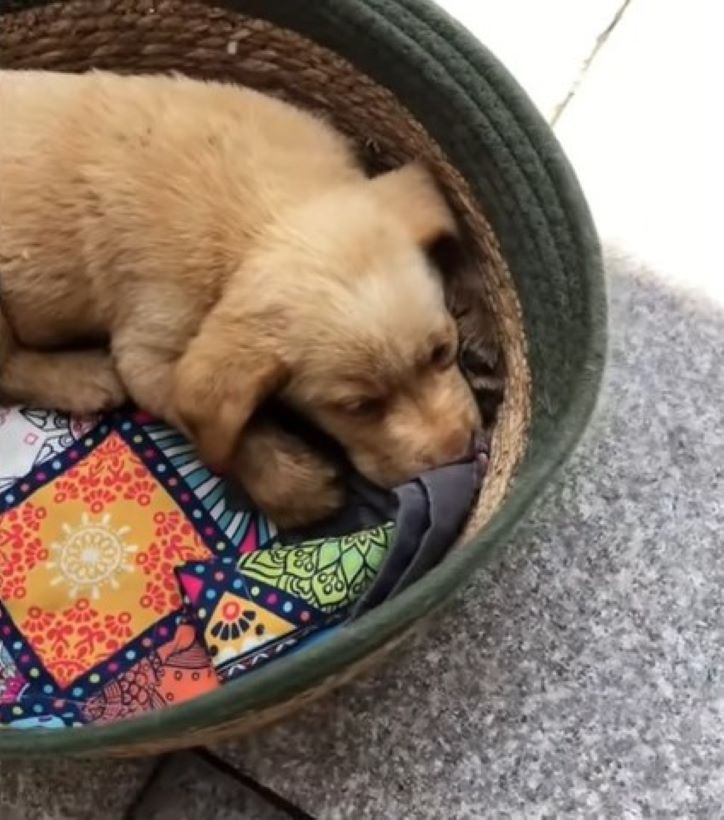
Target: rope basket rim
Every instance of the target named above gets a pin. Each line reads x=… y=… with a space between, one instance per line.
x=413 y=24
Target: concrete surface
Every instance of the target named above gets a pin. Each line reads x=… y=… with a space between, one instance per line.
x=68 y=790
x=189 y=789
x=582 y=677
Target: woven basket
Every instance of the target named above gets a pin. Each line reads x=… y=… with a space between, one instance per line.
x=407 y=82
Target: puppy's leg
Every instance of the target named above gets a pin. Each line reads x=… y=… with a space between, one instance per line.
x=148 y=376
x=78 y=382
x=291 y=482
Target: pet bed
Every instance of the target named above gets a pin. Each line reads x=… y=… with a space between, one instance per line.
x=192 y=664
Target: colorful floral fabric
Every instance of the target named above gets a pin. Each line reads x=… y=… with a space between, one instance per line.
x=36 y=436
x=174 y=672
x=251 y=609
x=95 y=519
x=326 y=573
x=129 y=581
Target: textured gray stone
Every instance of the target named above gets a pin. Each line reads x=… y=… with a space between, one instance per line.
x=68 y=790
x=583 y=675
x=189 y=789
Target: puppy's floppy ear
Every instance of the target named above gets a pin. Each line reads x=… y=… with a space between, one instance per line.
x=412 y=195
x=227 y=371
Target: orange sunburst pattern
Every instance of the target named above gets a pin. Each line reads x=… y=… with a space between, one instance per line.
x=87 y=563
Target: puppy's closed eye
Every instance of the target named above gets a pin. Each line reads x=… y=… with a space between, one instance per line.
x=442 y=356
x=367 y=407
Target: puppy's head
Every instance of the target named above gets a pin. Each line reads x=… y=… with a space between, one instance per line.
x=341 y=311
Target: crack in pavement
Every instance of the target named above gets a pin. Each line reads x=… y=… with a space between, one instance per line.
x=599 y=44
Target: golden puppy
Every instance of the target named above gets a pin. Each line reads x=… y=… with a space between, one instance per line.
x=226 y=246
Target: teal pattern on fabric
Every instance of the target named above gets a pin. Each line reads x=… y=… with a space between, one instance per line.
x=207 y=487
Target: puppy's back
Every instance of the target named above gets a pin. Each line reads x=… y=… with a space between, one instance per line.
x=111 y=177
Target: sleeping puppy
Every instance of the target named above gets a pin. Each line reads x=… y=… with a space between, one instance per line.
x=224 y=247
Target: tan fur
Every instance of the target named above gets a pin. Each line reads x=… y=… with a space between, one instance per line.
x=227 y=246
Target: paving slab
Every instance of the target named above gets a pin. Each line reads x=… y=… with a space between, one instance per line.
x=188 y=788
x=69 y=790
x=645 y=132
x=544 y=44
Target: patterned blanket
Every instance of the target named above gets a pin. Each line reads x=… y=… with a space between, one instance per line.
x=131 y=578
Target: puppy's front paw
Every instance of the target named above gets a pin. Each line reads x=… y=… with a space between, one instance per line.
x=292 y=483
x=316 y=492
x=81 y=383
